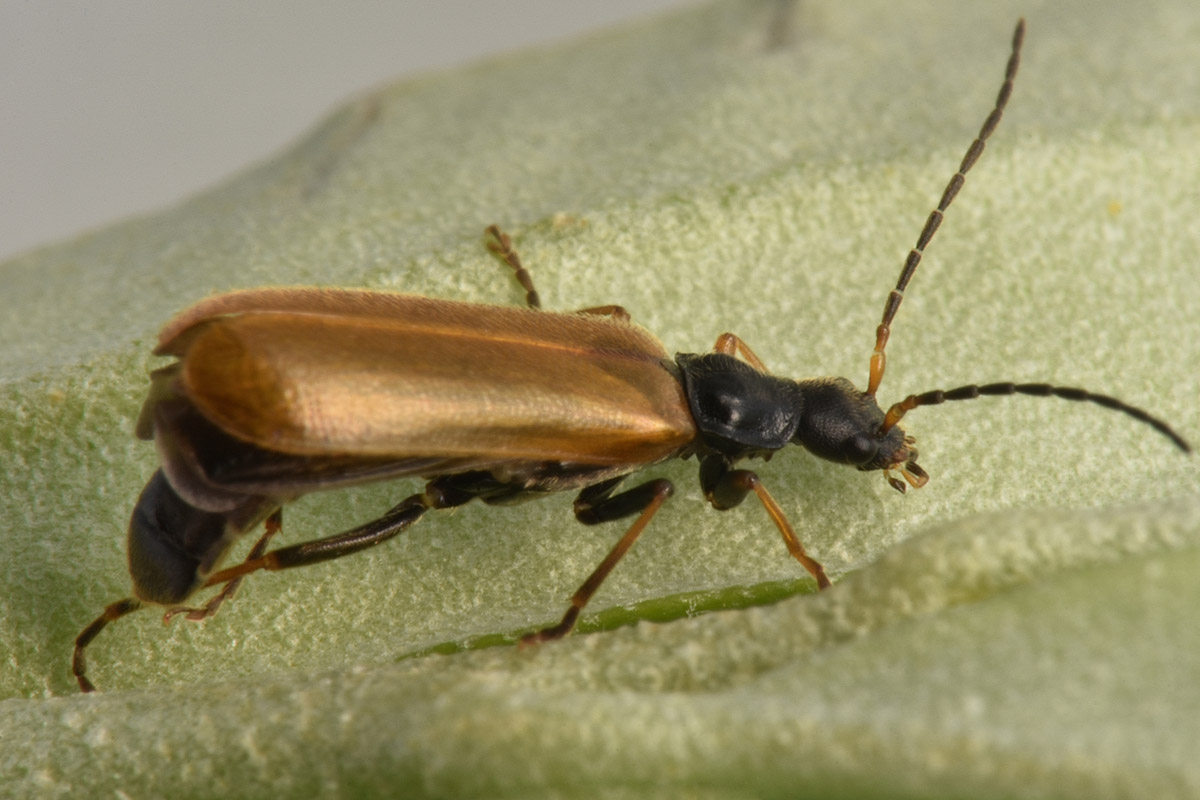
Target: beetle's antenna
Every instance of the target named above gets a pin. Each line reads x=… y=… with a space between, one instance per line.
x=897 y=411
x=878 y=359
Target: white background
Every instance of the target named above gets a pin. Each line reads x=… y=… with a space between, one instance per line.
x=109 y=109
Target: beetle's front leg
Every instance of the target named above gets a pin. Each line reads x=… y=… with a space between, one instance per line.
x=732 y=345
x=594 y=505
x=725 y=487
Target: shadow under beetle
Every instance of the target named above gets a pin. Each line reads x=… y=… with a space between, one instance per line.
x=279 y=392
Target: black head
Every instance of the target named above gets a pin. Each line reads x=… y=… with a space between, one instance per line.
x=842 y=424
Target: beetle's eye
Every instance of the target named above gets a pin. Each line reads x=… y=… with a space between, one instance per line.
x=861 y=448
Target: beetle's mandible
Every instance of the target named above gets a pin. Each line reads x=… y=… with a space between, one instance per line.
x=275 y=393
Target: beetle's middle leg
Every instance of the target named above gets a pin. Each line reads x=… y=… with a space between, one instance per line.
x=501 y=245
x=594 y=505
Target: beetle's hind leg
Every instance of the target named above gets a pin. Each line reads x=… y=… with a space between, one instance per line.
x=594 y=505
x=111 y=613
x=272 y=526
x=372 y=533
x=446 y=492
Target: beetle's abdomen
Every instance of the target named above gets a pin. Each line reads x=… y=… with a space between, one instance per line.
x=171 y=543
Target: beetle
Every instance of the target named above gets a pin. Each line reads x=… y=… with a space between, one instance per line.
x=275 y=393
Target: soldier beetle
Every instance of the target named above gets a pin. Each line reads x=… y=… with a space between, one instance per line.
x=276 y=393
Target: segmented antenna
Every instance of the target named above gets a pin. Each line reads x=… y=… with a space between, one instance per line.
x=938 y=396
x=878 y=359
